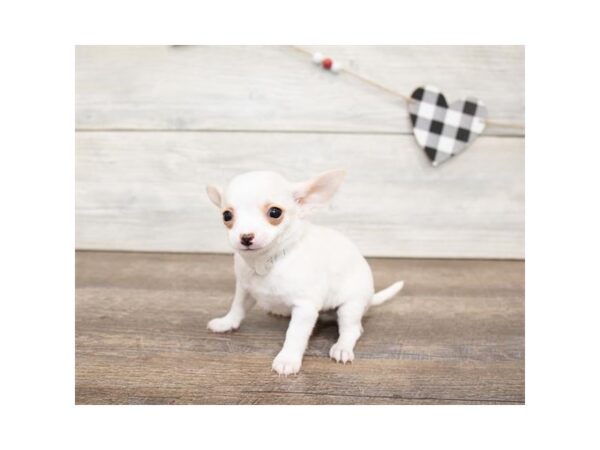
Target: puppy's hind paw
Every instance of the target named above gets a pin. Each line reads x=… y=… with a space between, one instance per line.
x=341 y=353
x=286 y=364
x=222 y=325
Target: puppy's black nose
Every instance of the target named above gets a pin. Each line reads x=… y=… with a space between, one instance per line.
x=246 y=239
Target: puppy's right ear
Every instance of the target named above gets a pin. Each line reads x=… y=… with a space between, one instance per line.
x=215 y=195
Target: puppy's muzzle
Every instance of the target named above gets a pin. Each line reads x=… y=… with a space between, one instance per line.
x=246 y=239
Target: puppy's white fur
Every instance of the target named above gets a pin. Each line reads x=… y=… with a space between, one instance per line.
x=294 y=267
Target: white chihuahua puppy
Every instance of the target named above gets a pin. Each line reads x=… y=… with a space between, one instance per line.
x=291 y=267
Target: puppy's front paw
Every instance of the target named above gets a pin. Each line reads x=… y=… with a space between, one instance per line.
x=341 y=353
x=222 y=325
x=286 y=363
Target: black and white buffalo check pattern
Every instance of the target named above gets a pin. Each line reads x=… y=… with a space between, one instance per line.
x=442 y=130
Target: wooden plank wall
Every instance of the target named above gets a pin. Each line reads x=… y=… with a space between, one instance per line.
x=155 y=124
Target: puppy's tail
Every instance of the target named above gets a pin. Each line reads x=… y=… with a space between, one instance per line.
x=387 y=293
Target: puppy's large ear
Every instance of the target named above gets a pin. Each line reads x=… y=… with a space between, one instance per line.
x=215 y=195
x=319 y=190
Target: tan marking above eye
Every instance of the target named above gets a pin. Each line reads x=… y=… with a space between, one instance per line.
x=229 y=224
x=272 y=220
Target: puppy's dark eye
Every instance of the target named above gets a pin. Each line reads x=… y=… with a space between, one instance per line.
x=227 y=216
x=275 y=212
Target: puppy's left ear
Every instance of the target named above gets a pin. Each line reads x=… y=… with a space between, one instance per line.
x=319 y=190
x=215 y=194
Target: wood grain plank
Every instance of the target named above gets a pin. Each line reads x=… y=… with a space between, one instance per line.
x=454 y=336
x=277 y=88
x=145 y=191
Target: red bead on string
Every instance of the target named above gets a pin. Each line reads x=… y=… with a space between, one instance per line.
x=326 y=63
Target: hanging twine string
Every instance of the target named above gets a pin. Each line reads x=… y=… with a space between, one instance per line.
x=381 y=87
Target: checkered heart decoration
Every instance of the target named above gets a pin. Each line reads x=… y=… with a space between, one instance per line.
x=444 y=131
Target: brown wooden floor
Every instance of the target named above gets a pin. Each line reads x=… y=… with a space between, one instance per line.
x=454 y=336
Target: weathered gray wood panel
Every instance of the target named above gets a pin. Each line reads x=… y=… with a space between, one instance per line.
x=277 y=88
x=145 y=190
x=454 y=335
